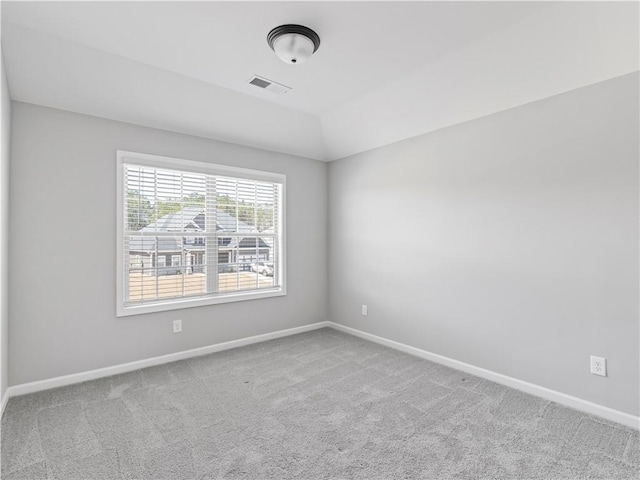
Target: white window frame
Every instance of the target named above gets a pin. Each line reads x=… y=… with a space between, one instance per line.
x=155 y=161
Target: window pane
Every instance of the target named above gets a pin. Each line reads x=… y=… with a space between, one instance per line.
x=142 y=286
x=191 y=234
x=245 y=206
x=227 y=278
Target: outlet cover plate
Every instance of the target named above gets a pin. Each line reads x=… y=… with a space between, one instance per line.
x=599 y=366
x=177 y=326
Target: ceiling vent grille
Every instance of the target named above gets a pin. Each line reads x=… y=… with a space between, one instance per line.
x=269 y=85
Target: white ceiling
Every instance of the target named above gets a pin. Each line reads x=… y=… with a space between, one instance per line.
x=385 y=71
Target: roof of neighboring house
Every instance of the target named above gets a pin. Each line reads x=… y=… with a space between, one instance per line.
x=192 y=219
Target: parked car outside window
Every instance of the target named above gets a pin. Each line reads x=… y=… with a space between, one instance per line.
x=263 y=268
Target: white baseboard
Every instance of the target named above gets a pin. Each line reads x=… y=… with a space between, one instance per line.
x=64 y=380
x=543 y=392
x=5 y=399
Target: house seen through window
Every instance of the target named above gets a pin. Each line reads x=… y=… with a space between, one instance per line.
x=195 y=233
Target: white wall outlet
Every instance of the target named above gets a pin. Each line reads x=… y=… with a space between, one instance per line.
x=364 y=310
x=177 y=326
x=599 y=366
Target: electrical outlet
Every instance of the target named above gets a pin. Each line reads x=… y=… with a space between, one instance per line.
x=177 y=326
x=599 y=366
x=364 y=310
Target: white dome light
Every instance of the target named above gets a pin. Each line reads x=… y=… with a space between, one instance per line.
x=293 y=44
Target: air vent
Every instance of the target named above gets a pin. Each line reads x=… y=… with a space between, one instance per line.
x=269 y=85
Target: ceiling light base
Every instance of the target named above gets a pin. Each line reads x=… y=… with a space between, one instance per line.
x=293 y=44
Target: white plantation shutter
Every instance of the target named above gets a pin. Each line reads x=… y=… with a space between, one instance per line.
x=194 y=233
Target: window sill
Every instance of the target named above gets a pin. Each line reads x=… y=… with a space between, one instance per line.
x=179 y=304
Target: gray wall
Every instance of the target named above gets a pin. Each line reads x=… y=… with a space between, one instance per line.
x=4 y=236
x=63 y=246
x=509 y=242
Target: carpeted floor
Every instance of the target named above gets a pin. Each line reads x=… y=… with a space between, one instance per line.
x=319 y=405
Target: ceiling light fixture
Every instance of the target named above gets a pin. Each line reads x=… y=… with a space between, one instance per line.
x=293 y=43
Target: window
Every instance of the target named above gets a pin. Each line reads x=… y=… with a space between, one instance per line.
x=193 y=233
